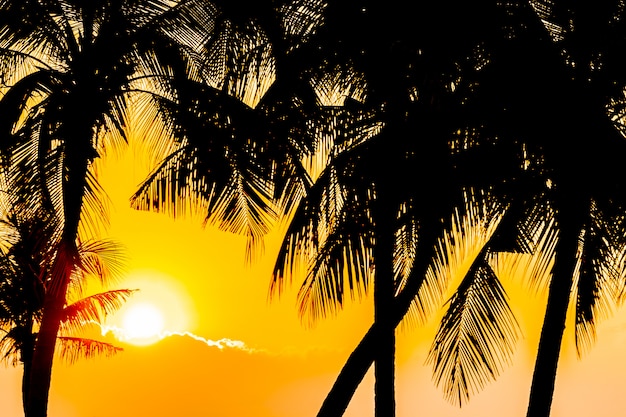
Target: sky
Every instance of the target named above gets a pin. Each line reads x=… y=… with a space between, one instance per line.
x=226 y=349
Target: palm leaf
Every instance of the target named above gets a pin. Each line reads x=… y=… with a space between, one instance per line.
x=600 y=276
x=342 y=264
x=94 y=308
x=71 y=349
x=103 y=258
x=10 y=345
x=476 y=335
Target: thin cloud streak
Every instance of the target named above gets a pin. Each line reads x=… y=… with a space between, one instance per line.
x=220 y=344
x=223 y=343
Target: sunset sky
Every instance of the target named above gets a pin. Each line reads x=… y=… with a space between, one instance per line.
x=274 y=366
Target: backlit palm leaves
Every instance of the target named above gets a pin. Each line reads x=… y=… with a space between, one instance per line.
x=370 y=123
x=579 y=80
x=405 y=176
x=511 y=124
x=24 y=265
x=65 y=98
x=238 y=129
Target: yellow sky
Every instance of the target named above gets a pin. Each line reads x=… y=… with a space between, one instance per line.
x=199 y=280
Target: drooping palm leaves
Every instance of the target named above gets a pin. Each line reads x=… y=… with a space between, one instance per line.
x=65 y=97
x=577 y=82
x=24 y=263
x=512 y=122
x=411 y=90
x=236 y=137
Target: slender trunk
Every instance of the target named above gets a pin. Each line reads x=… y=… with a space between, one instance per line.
x=26 y=383
x=384 y=372
x=43 y=354
x=544 y=375
x=384 y=287
x=27 y=359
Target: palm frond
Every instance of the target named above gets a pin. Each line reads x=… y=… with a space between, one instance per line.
x=28 y=27
x=244 y=207
x=10 y=346
x=71 y=349
x=600 y=276
x=298 y=247
x=328 y=204
x=95 y=215
x=470 y=228
x=301 y=18
x=405 y=246
x=18 y=99
x=94 y=308
x=476 y=336
x=103 y=257
x=221 y=164
x=342 y=265
x=189 y=22
x=255 y=72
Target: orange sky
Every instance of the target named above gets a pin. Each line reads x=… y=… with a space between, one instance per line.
x=198 y=279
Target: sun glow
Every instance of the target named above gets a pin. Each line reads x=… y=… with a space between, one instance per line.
x=159 y=307
x=143 y=323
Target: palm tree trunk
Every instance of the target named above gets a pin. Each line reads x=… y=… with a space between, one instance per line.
x=25 y=384
x=544 y=375
x=41 y=370
x=384 y=371
x=43 y=354
x=384 y=287
x=27 y=359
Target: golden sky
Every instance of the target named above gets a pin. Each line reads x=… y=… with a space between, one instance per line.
x=198 y=281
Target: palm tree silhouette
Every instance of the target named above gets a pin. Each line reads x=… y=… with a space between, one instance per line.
x=333 y=49
x=235 y=180
x=411 y=90
x=23 y=268
x=588 y=187
x=539 y=72
x=65 y=101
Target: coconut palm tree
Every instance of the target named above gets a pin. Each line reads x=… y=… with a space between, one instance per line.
x=29 y=246
x=559 y=96
x=538 y=72
x=588 y=186
x=65 y=98
x=415 y=95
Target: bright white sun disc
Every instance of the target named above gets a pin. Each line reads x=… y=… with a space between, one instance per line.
x=142 y=321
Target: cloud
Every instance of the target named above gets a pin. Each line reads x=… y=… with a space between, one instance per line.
x=224 y=343
x=220 y=344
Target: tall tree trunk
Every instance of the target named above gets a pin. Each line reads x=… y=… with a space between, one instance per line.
x=43 y=354
x=384 y=288
x=27 y=358
x=546 y=363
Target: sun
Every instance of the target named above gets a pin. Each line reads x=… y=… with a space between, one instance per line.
x=142 y=323
x=159 y=308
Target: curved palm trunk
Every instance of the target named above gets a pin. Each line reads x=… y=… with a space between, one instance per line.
x=41 y=369
x=384 y=287
x=544 y=374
